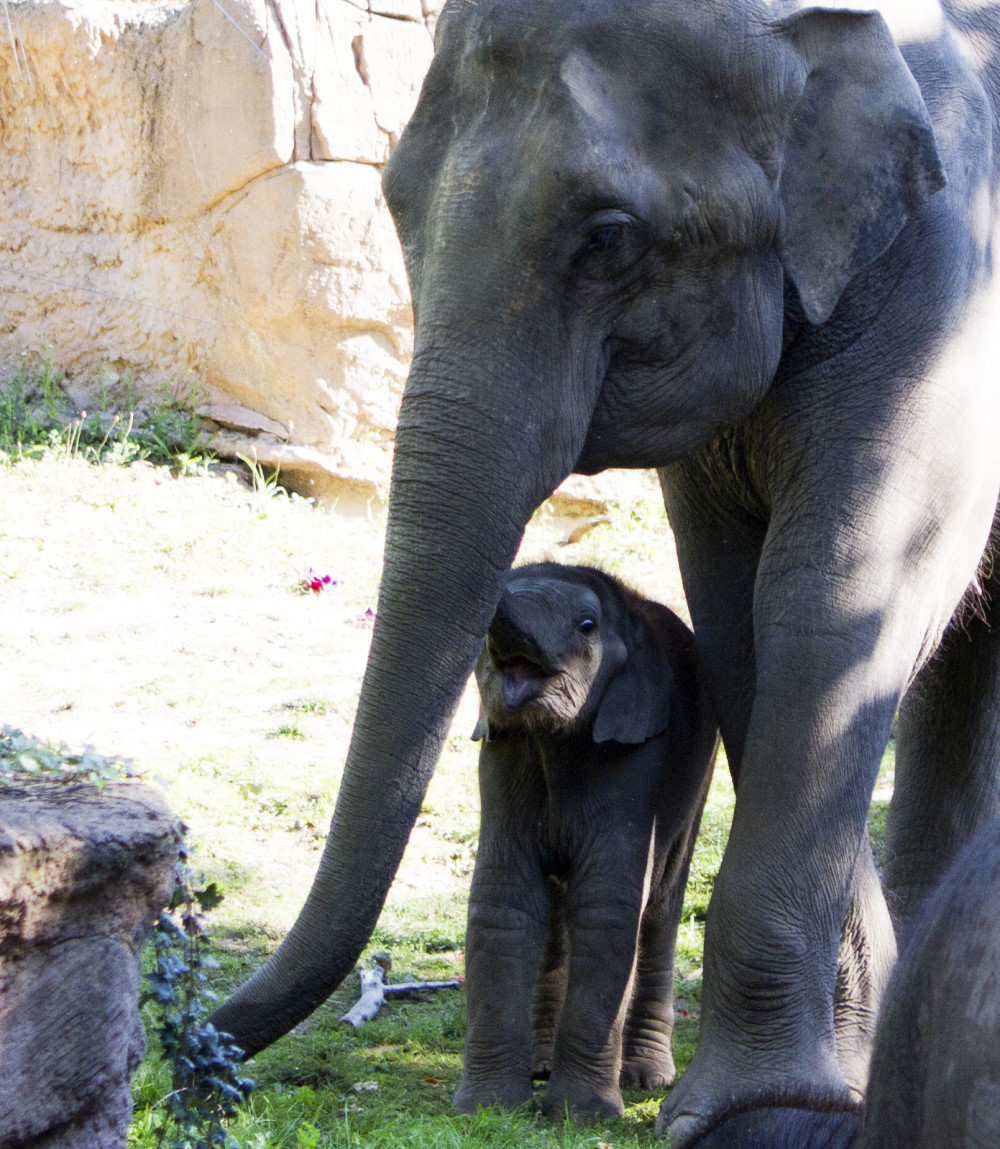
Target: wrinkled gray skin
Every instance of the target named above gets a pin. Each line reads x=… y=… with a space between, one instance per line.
x=935 y=1069
x=935 y=1077
x=752 y=247
x=599 y=743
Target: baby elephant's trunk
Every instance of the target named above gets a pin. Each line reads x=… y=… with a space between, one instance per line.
x=515 y=634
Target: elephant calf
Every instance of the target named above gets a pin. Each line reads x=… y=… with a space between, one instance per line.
x=598 y=743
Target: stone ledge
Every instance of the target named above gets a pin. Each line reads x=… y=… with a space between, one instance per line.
x=83 y=872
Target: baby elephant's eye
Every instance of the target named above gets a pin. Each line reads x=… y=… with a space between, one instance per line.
x=586 y=625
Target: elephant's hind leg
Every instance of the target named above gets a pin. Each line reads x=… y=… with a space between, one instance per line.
x=647 y=1057
x=947 y=757
x=647 y=1060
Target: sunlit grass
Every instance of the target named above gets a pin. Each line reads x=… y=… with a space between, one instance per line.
x=159 y=616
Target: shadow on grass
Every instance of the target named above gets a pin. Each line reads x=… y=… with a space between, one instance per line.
x=390 y=1084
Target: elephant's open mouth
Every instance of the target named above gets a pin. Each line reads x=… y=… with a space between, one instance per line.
x=521 y=679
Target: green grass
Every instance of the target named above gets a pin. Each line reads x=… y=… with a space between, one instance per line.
x=156 y=611
x=38 y=417
x=314 y=1086
x=412 y=1051
x=288 y=730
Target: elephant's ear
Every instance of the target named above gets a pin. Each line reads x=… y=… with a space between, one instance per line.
x=860 y=155
x=636 y=704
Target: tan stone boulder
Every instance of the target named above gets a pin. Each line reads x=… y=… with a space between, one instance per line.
x=195 y=187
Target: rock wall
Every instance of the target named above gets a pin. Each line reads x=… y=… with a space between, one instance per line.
x=194 y=188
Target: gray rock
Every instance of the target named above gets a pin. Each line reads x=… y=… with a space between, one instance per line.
x=83 y=873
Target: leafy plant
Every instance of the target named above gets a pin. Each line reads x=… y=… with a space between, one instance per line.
x=307 y=1136
x=21 y=754
x=172 y=427
x=207 y=1084
x=37 y=417
x=20 y=419
x=264 y=486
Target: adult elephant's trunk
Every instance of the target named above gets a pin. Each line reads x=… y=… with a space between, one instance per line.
x=472 y=462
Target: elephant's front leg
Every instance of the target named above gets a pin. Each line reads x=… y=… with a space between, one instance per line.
x=768 y=1032
x=603 y=924
x=507 y=920
x=847 y=600
x=550 y=986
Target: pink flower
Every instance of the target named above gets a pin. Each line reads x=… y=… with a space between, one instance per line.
x=316 y=582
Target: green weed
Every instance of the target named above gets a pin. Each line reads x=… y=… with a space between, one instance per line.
x=312 y=706
x=37 y=417
x=264 y=486
x=288 y=730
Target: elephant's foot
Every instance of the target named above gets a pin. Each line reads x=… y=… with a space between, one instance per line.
x=705 y=1101
x=647 y=1069
x=582 y=1100
x=504 y=1092
x=783 y=1129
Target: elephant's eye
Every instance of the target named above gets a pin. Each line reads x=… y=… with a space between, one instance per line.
x=605 y=238
x=611 y=245
x=586 y=625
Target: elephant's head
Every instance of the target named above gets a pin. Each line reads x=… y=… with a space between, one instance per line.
x=569 y=650
x=601 y=203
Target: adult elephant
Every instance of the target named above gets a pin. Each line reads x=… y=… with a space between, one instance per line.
x=751 y=246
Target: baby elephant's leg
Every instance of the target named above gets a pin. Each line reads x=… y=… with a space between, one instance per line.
x=550 y=988
x=603 y=927
x=647 y=1060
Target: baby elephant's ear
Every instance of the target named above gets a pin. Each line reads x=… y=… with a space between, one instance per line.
x=636 y=704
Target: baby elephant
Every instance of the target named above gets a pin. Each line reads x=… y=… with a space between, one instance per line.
x=598 y=744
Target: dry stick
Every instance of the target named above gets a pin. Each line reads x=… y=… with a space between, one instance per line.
x=374 y=991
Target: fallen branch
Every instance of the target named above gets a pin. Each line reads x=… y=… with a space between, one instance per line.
x=375 y=989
